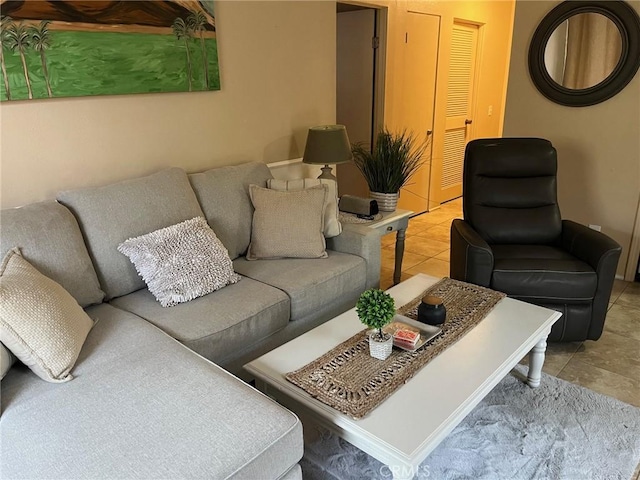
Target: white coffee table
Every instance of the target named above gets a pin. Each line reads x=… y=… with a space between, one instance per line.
x=437 y=398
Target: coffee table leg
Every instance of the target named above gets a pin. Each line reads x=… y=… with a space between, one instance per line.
x=536 y=360
x=400 y=235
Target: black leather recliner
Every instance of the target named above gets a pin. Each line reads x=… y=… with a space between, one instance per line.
x=512 y=238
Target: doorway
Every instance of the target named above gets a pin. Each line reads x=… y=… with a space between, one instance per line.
x=360 y=67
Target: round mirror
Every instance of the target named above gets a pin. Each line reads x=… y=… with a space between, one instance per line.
x=584 y=52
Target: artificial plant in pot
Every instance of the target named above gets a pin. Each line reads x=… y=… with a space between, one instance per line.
x=376 y=309
x=395 y=158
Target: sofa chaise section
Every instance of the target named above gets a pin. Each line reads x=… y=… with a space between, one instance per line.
x=142 y=405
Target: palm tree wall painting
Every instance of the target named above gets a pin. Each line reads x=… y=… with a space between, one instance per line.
x=182 y=32
x=59 y=48
x=41 y=41
x=4 y=22
x=197 y=22
x=19 y=40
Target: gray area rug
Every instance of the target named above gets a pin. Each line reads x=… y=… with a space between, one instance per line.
x=557 y=431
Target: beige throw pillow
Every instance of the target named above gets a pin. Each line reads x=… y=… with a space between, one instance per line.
x=181 y=262
x=40 y=322
x=287 y=224
x=332 y=225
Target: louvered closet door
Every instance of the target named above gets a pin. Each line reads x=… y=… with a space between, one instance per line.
x=458 y=127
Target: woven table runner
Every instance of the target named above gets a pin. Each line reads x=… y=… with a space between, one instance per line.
x=348 y=379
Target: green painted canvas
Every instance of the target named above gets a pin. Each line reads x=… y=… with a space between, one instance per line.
x=74 y=48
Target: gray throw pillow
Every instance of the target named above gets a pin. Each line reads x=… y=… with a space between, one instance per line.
x=181 y=262
x=287 y=224
x=40 y=322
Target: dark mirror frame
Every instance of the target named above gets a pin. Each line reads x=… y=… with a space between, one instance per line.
x=628 y=23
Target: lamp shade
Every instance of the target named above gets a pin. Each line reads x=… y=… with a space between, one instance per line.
x=327 y=144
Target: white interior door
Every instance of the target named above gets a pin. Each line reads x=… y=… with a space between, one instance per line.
x=354 y=88
x=419 y=88
x=459 y=114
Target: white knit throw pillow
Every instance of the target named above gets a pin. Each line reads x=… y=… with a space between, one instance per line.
x=40 y=322
x=181 y=262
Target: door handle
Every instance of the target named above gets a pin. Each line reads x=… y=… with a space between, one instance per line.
x=429 y=132
x=468 y=122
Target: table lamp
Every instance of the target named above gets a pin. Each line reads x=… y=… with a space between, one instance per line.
x=327 y=144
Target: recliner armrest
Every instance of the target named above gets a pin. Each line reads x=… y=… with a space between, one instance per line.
x=361 y=241
x=602 y=253
x=590 y=246
x=471 y=257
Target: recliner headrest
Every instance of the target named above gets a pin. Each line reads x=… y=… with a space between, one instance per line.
x=511 y=157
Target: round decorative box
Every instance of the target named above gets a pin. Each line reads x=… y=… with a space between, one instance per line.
x=431 y=311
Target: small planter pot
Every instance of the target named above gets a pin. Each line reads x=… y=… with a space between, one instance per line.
x=387 y=202
x=380 y=349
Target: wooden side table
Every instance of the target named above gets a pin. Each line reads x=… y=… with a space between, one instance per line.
x=396 y=221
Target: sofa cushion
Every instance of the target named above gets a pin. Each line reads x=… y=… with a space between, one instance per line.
x=541 y=273
x=181 y=262
x=142 y=406
x=287 y=224
x=219 y=324
x=109 y=215
x=332 y=225
x=40 y=322
x=49 y=238
x=310 y=283
x=223 y=194
x=6 y=360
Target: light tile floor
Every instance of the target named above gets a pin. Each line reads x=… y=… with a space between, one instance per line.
x=610 y=365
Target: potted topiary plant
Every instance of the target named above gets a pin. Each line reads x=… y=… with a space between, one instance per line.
x=395 y=158
x=376 y=309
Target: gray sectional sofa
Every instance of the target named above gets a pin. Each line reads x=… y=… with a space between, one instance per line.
x=153 y=394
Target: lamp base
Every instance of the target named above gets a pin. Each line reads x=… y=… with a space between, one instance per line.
x=326 y=174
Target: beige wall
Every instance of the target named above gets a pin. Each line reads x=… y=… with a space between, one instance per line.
x=277 y=63
x=598 y=146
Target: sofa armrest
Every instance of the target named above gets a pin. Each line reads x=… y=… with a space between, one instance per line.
x=471 y=257
x=363 y=242
x=603 y=254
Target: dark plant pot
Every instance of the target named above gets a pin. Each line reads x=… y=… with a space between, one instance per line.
x=431 y=311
